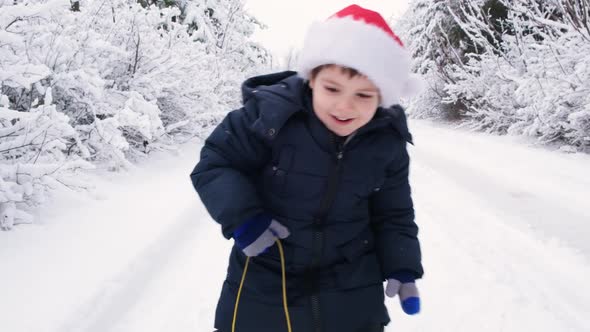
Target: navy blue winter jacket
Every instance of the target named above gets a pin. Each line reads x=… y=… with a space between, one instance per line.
x=347 y=204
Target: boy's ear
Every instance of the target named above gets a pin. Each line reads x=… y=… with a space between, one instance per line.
x=310 y=83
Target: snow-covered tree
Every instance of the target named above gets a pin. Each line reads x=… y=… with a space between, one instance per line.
x=518 y=67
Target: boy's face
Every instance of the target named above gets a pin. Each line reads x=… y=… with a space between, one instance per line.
x=343 y=103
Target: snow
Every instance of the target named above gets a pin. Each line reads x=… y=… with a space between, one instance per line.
x=503 y=225
x=143 y=114
x=24 y=75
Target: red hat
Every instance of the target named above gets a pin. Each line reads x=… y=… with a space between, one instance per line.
x=360 y=38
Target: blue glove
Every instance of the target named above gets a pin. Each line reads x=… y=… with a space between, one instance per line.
x=258 y=234
x=404 y=283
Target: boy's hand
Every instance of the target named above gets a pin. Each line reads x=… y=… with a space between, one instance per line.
x=259 y=234
x=403 y=283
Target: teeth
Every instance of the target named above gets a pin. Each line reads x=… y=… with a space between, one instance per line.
x=341 y=119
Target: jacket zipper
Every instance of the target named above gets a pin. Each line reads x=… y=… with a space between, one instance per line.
x=318 y=233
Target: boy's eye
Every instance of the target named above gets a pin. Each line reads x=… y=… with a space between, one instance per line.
x=331 y=89
x=364 y=96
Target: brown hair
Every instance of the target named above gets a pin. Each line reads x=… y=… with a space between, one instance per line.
x=347 y=70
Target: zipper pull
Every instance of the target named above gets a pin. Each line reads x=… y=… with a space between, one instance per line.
x=339 y=155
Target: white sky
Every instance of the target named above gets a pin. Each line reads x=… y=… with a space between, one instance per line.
x=288 y=20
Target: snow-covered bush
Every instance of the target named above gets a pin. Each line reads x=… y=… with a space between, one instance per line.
x=111 y=81
x=35 y=157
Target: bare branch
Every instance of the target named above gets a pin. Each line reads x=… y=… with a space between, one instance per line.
x=19 y=18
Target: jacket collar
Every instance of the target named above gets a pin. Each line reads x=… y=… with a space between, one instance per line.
x=291 y=94
x=393 y=117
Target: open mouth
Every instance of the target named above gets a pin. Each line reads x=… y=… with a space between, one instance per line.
x=341 y=120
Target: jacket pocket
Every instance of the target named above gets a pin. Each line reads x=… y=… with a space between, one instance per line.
x=275 y=174
x=284 y=180
x=364 y=271
x=360 y=266
x=361 y=244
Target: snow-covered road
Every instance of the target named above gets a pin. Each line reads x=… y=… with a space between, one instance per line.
x=505 y=230
x=498 y=225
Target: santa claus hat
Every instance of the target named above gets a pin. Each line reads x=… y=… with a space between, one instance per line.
x=361 y=39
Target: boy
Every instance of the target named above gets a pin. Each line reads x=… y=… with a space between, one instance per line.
x=318 y=160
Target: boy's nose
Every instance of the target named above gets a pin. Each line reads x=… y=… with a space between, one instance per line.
x=345 y=106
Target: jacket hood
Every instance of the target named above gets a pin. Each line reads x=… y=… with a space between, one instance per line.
x=285 y=86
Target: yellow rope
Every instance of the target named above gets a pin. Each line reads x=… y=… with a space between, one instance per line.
x=284 y=285
x=284 y=281
x=233 y=325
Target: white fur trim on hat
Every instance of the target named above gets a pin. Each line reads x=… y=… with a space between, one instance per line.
x=361 y=46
